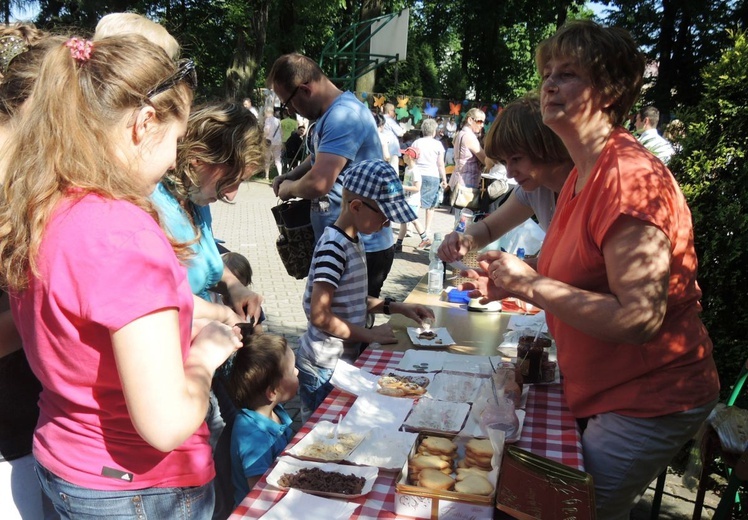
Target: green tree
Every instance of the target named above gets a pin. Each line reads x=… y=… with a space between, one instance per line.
x=485 y=49
x=680 y=38
x=80 y=14
x=7 y=7
x=712 y=170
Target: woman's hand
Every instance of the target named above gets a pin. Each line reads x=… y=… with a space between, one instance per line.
x=204 y=309
x=246 y=303
x=508 y=272
x=214 y=343
x=481 y=286
x=501 y=275
x=455 y=246
x=167 y=395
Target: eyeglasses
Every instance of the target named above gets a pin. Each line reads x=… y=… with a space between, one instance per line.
x=375 y=210
x=479 y=121
x=185 y=72
x=284 y=105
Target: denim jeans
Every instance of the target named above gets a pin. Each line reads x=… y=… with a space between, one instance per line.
x=21 y=497
x=322 y=219
x=78 y=503
x=430 y=192
x=314 y=385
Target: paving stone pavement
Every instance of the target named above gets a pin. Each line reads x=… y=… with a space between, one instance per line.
x=247 y=226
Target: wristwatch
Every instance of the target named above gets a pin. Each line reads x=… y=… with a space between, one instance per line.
x=386 y=306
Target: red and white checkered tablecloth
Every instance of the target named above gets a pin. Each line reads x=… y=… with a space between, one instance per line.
x=549 y=430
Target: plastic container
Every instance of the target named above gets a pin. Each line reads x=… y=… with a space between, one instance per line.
x=532 y=353
x=463 y=220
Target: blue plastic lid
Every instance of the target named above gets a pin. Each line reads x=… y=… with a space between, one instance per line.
x=456 y=296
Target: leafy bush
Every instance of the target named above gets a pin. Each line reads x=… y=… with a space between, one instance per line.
x=713 y=172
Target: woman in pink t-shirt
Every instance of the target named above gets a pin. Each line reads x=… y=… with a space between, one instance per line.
x=617 y=273
x=99 y=297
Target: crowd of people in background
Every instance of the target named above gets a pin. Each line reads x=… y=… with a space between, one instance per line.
x=135 y=375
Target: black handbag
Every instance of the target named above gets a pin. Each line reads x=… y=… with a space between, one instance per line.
x=296 y=242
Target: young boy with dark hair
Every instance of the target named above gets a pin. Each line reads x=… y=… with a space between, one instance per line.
x=263 y=377
x=336 y=300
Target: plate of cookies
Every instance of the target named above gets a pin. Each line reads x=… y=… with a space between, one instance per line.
x=403 y=384
x=433 y=463
x=438 y=337
x=459 y=465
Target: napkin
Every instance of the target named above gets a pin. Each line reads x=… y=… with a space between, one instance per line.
x=456 y=388
x=430 y=414
x=520 y=321
x=297 y=504
x=373 y=410
x=422 y=361
x=353 y=380
x=477 y=365
x=384 y=449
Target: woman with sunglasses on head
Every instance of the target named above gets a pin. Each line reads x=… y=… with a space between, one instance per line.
x=179 y=224
x=98 y=294
x=616 y=274
x=468 y=154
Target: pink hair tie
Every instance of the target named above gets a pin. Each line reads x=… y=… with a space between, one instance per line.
x=80 y=49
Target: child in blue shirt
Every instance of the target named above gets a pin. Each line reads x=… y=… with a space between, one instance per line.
x=263 y=377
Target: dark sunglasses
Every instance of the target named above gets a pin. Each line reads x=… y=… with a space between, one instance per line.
x=185 y=72
x=284 y=105
x=479 y=121
x=375 y=210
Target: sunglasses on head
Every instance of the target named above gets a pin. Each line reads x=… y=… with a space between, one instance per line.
x=185 y=72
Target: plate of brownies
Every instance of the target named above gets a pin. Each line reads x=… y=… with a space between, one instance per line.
x=323 y=478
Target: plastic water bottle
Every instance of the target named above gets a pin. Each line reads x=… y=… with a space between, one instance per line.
x=464 y=219
x=436 y=276
x=438 y=238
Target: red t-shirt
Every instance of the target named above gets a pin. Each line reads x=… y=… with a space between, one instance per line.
x=102 y=264
x=675 y=370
